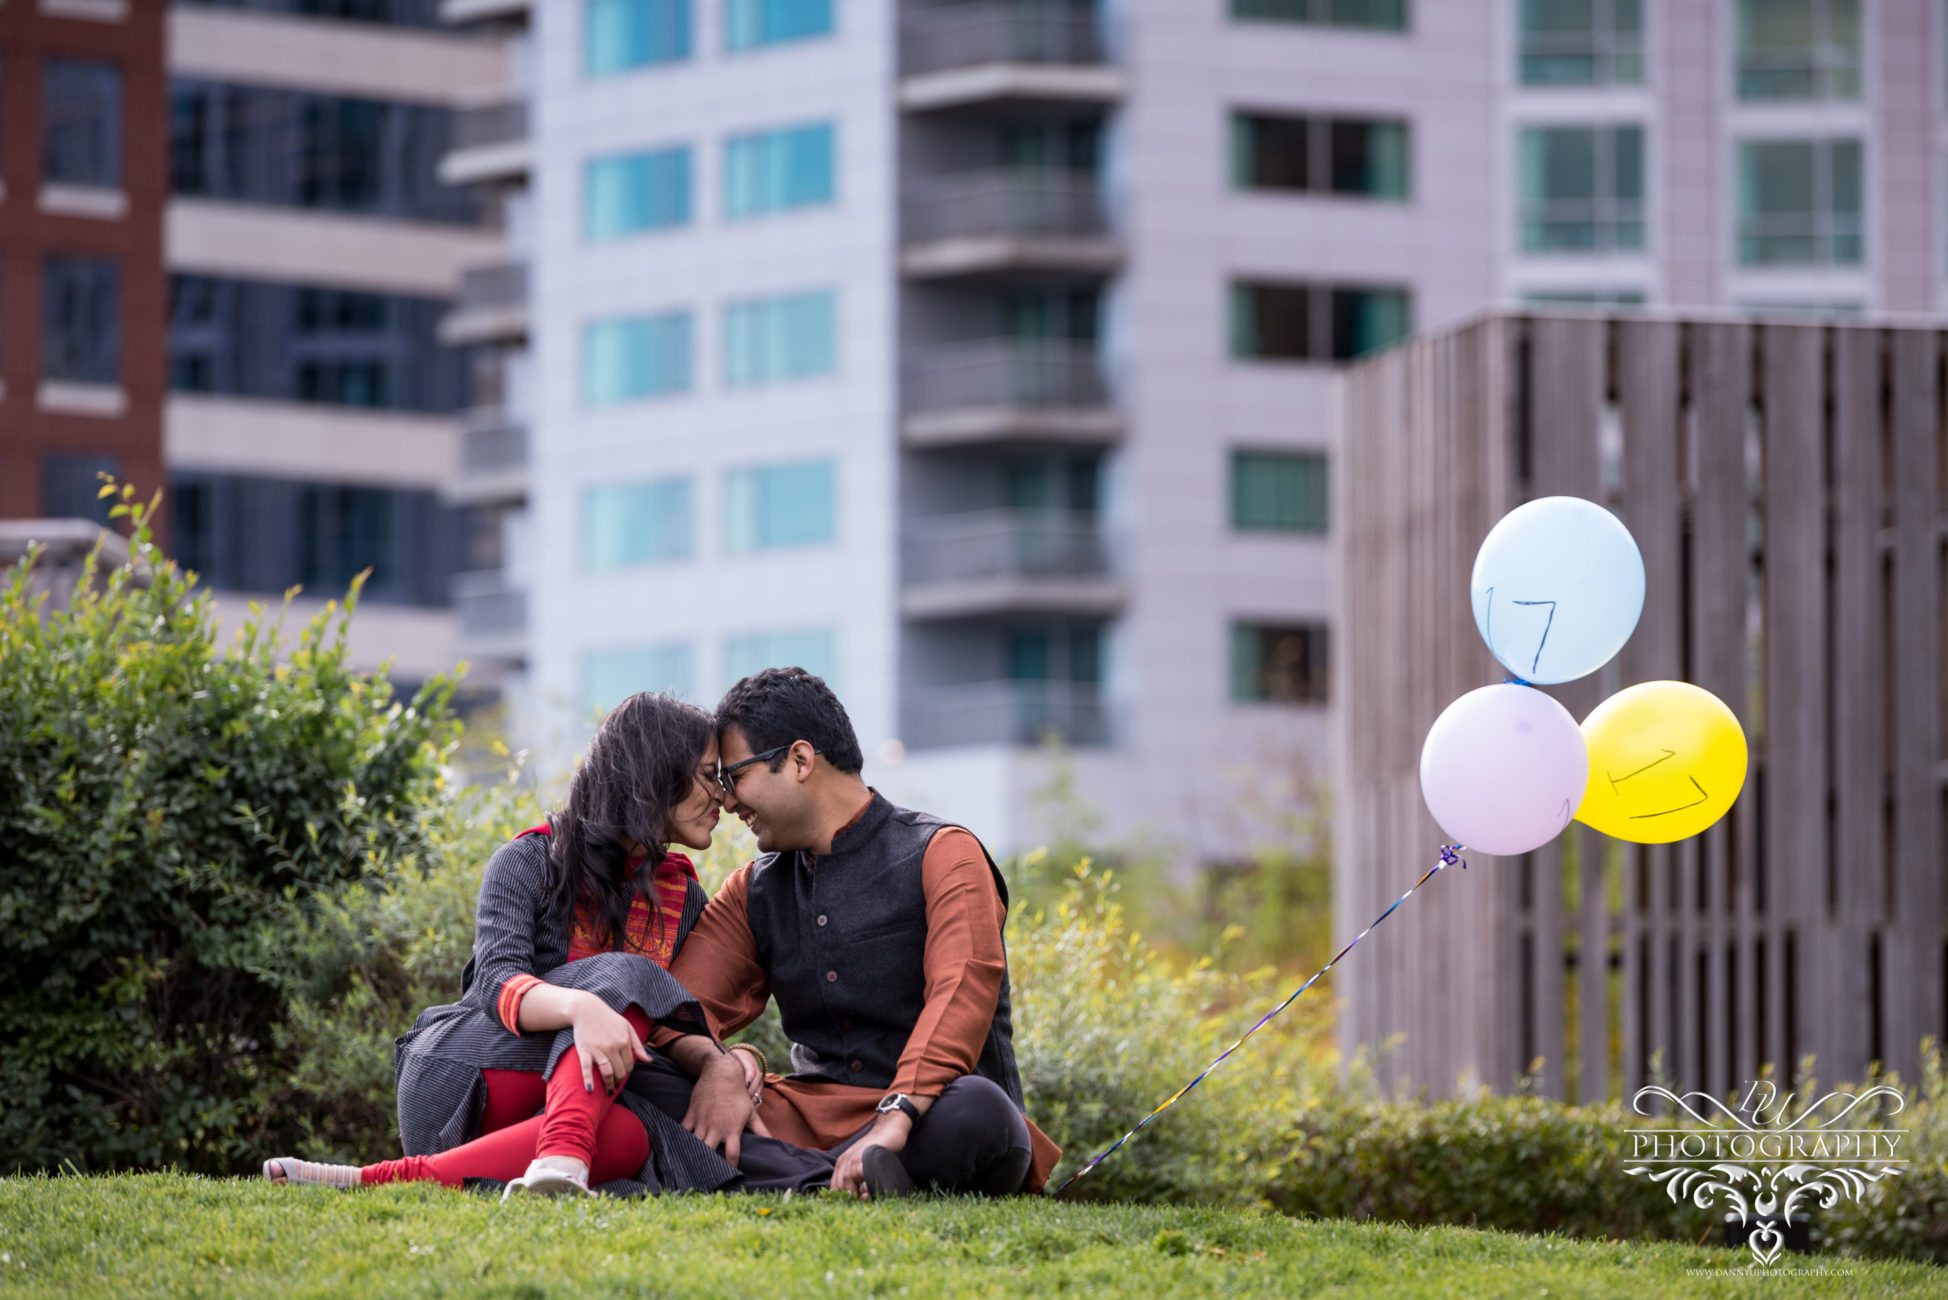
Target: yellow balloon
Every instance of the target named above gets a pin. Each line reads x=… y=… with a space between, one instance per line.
x=1666 y=760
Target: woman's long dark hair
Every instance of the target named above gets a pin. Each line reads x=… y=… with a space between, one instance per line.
x=641 y=765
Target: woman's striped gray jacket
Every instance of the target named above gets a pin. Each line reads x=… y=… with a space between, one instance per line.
x=437 y=1065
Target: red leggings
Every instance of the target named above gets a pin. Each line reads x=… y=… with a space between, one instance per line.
x=526 y=1118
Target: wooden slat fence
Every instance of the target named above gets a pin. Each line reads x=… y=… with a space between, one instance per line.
x=1788 y=486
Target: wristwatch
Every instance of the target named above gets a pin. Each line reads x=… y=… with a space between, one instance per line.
x=893 y=1101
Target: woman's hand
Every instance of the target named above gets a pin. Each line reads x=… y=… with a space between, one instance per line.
x=753 y=1074
x=606 y=1043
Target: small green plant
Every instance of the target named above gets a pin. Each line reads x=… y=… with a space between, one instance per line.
x=169 y=806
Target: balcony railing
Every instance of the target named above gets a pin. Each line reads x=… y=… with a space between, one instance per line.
x=490 y=443
x=498 y=287
x=491 y=611
x=1006 y=372
x=488 y=125
x=943 y=37
x=985 y=544
x=1008 y=713
x=1045 y=201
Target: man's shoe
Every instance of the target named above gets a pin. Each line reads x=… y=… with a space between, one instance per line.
x=886 y=1176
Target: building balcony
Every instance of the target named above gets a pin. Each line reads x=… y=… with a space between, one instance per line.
x=491 y=146
x=1007 y=220
x=995 y=53
x=492 y=306
x=1007 y=713
x=493 y=617
x=993 y=562
x=998 y=391
x=502 y=13
x=493 y=461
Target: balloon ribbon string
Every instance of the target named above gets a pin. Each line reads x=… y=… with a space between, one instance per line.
x=1450 y=856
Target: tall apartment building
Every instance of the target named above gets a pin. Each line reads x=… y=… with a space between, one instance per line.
x=979 y=355
x=82 y=292
x=315 y=372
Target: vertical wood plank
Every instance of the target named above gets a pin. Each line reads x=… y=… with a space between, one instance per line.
x=1794 y=641
x=1856 y=670
x=1915 y=1001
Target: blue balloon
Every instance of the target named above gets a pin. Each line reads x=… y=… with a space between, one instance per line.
x=1558 y=587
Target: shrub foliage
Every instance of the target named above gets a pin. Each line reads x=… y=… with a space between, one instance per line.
x=168 y=808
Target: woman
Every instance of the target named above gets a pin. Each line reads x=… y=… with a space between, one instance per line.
x=577 y=923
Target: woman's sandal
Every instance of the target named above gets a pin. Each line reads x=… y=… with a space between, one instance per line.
x=551 y=1176
x=285 y=1171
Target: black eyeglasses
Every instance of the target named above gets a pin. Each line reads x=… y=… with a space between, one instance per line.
x=727 y=776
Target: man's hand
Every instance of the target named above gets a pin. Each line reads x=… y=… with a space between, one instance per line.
x=753 y=1075
x=605 y=1043
x=720 y=1108
x=890 y=1131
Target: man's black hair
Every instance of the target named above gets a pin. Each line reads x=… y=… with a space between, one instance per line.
x=779 y=705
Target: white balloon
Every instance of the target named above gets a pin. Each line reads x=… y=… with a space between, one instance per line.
x=1503 y=769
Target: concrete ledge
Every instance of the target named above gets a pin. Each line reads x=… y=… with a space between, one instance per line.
x=978 y=425
x=1034 y=82
x=976 y=255
x=95 y=201
x=976 y=597
x=419 y=67
x=511 y=160
x=269 y=243
x=329 y=444
x=102 y=401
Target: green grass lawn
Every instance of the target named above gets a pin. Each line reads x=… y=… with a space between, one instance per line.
x=176 y=1235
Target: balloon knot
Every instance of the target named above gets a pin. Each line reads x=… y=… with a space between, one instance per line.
x=1451 y=854
x=1510 y=679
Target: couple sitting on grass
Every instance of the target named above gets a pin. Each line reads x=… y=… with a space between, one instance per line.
x=586 y=1052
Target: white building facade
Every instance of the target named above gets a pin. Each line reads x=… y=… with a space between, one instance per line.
x=979 y=356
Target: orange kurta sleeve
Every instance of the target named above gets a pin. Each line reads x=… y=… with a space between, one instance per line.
x=719 y=963
x=964 y=964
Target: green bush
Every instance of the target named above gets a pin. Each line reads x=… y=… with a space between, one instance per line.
x=169 y=806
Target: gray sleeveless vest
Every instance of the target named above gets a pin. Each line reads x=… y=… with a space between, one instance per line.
x=845 y=943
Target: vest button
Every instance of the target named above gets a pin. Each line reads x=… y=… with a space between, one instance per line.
x=831 y=977
x=858 y=1065
x=821 y=920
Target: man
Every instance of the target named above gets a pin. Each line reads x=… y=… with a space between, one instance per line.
x=878 y=930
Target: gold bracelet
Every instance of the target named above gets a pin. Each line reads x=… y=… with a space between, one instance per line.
x=764 y=1063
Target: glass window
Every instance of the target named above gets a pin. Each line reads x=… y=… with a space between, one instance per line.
x=1799 y=49
x=815 y=649
x=241 y=533
x=1582 y=189
x=1382 y=15
x=774 y=506
x=627 y=524
x=1582 y=42
x=1352 y=156
x=771 y=171
x=1279 y=663
x=1298 y=322
x=611 y=676
x=81 y=104
x=81 y=334
x=771 y=339
x=1799 y=203
x=1278 y=492
x=636 y=357
x=623 y=34
x=1586 y=297
x=637 y=191
x=71 y=485
x=305 y=343
x=258 y=144
x=751 y=23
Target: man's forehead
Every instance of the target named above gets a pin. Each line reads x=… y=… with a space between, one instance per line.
x=731 y=745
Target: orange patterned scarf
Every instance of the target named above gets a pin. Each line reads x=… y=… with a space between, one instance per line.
x=650 y=929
